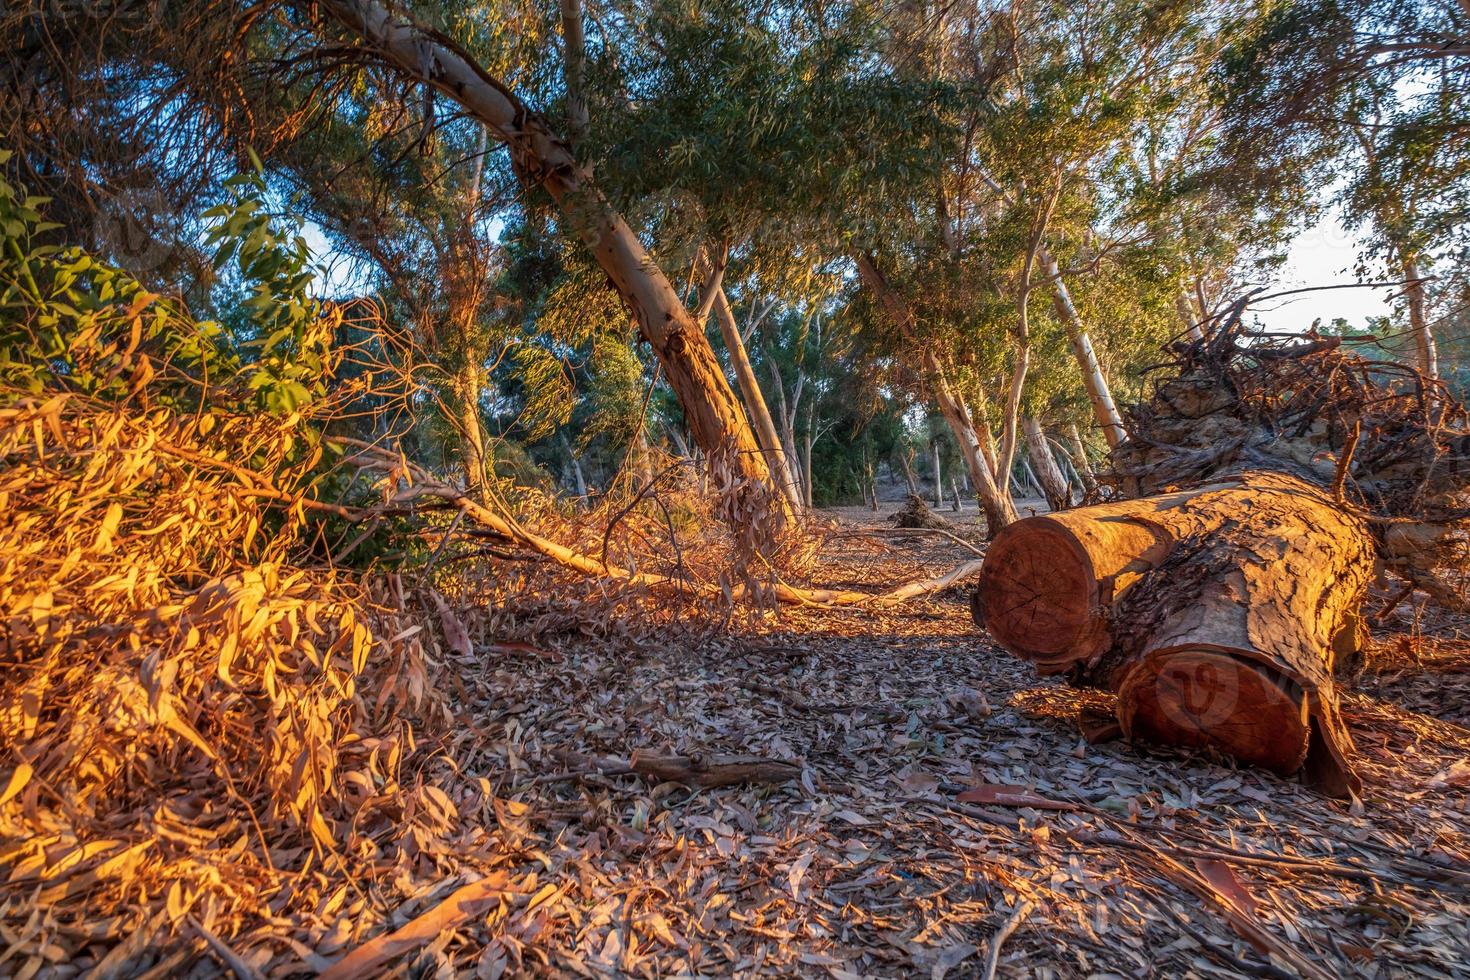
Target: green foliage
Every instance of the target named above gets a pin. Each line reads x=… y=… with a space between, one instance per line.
x=287 y=331
x=70 y=322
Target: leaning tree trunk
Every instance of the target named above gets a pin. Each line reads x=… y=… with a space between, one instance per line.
x=1215 y=613
x=1093 y=379
x=755 y=401
x=1053 y=481
x=1079 y=460
x=540 y=157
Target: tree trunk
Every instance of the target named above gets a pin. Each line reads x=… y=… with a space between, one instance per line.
x=1428 y=352
x=755 y=400
x=990 y=487
x=1215 y=613
x=1044 y=465
x=574 y=57
x=806 y=464
x=1187 y=319
x=540 y=157
x=577 y=473
x=1079 y=460
x=906 y=459
x=471 y=435
x=938 y=477
x=1096 y=383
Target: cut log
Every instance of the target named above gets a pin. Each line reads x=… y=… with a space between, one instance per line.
x=1216 y=614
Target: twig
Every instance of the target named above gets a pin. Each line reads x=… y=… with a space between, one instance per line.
x=992 y=957
x=464 y=904
x=241 y=969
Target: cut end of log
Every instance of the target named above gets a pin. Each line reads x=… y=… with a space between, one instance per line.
x=1040 y=598
x=1226 y=701
x=1215 y=699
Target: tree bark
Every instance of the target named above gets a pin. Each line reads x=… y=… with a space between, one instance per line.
x=1079 y=460
x=577 y=473
x=905 y=457
x=755 y=401
x=541 y=158
x=471 y=435
x=938 y=477
x=574 y=57
x=1215 y=613
x=1426 y=349
x=1096 y=383
x=1185 y=308
x=1053 y=480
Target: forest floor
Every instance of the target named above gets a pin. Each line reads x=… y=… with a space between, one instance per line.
x=1115 y=860
x=945 y=817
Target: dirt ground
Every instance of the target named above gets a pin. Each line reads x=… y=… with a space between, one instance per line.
x=1116 y=860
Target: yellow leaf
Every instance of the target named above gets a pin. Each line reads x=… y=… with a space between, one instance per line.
x=17 y=782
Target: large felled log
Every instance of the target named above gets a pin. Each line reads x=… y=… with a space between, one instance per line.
x=1215 y=613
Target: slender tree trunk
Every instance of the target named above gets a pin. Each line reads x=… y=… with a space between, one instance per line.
x=577 y=473
x=472 y=436
x=755 y=401
x=1428 y=352
x=806 y=453
x=1079 y=460
x=1187 y=318
x=574 y=56
x=1096 y=383
x=938 y=477
x=1044 y=465
x=541 y=158
x=992 y=492
x=905 y=457
x=1064 y=460
x=1093 y=379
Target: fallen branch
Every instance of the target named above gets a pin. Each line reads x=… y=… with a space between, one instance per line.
x=706 y=771
x=374 y=457
x=992 y=957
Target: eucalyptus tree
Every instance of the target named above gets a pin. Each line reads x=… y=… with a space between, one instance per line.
x=545 y=162
x=417 y=215
x=1379 y=89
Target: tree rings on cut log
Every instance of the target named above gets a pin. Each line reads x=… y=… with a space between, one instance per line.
x=1039 y=598
x=1048 y=583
